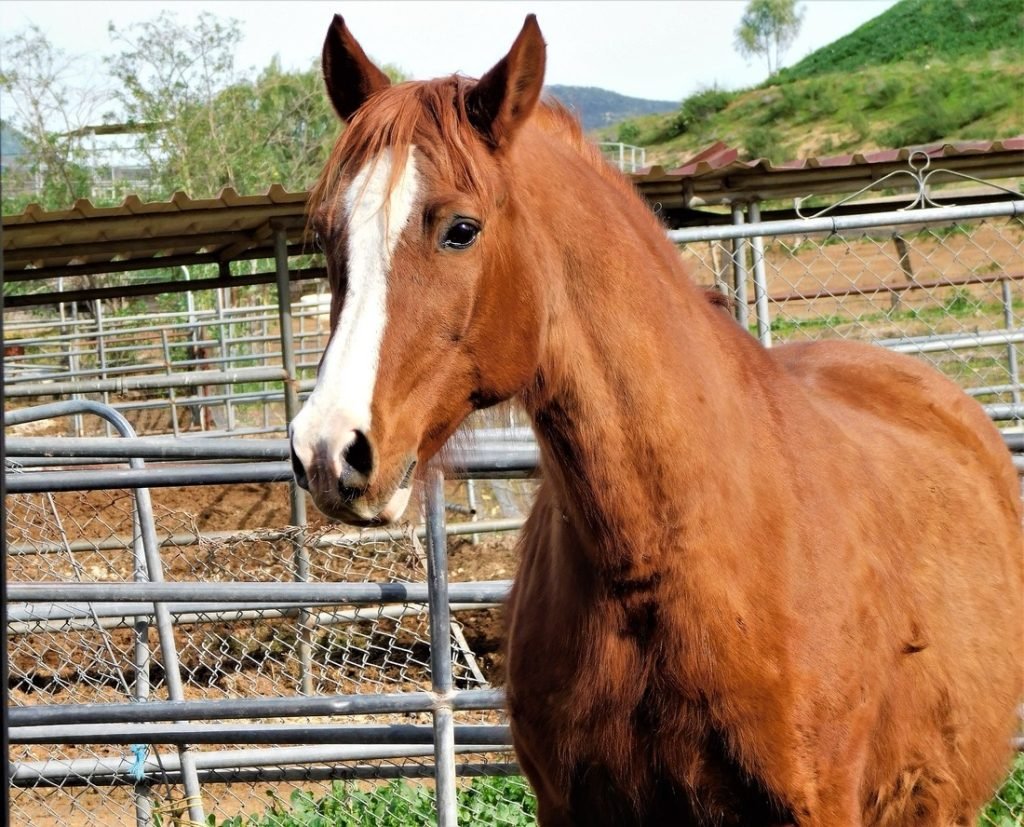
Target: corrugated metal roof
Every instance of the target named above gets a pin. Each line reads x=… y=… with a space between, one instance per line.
x=717 y=175
x=138 y=235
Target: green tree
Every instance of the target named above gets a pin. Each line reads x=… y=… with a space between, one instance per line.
x=768 y=28
x=169 y=75
x=208 y=127
x=48 y=99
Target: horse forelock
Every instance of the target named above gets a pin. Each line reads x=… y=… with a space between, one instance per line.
x=427 y=115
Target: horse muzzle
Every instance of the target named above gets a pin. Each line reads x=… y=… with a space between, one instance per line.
x=345 y=483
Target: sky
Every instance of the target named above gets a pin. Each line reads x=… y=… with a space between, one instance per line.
x=659 y=49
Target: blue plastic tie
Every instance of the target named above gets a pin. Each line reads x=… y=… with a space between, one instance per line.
x=138 y=770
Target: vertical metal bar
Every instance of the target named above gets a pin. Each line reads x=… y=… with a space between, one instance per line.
x=165 y=624
x=170 y=391
x=168 y=646
x=73 y=364
x=101 y=349
x=739 y=270
x=471 y=502
x=764 y=322
x=225 y=358
x=193 y=351
x=298 y=499
x=440 y=650
x=143 y=794
x=1011 y=348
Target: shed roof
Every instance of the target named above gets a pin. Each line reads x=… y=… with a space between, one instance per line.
x=718 y=176
x=86 y=239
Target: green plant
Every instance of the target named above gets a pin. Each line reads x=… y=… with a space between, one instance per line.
x=763 y=142
x=1006 y=809
x=628 y=132
x=505 y=801
x=698 y=108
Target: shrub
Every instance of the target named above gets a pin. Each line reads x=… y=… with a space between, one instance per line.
x=698 y=108
x=628 y=133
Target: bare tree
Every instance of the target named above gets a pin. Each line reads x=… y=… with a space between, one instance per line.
x=169 y=73
x=768 y=28
x=48 y=99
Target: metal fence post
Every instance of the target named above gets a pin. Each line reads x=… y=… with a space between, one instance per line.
x=739 y=270
x=298 y=499
x=764 y=322
x=440 y=650
x=1011 y=348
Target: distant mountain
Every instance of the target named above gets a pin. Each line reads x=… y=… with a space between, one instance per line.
x=599 y=107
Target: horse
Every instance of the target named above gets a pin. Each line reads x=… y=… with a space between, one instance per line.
x=758 y=586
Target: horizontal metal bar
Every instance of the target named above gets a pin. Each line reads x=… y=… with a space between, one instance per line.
x=156 y=288
x=303 y=593
x=95 y=769
x=315 y=772
x=164 y=447
x=106 y=479
x=487 y=462
x=22 y=620
x=1001 y=412
x=255 y=733
x=366 y=535
x=122 y=384
x=835 y=224
x=250 y=708
x=938 y=344
x=146 y=447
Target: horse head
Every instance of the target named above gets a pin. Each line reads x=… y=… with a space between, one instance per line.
x=433 y=312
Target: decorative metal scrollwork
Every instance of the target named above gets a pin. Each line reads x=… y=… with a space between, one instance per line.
x=920 y=173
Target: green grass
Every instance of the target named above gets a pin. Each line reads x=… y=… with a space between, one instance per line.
x=498 y=801
x=888 y=106
x=1006 y=809
x=921 y=72
x=918 y=30
x=483 y=802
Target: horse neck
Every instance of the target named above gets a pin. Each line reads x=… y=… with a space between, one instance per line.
x=636 y=377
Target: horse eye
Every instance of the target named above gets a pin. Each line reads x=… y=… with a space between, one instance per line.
x=460 y=235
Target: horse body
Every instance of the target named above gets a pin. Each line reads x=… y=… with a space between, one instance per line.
x=757 y=587
x=783 y=576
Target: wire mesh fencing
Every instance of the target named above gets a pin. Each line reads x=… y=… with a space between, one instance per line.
x=949 y=292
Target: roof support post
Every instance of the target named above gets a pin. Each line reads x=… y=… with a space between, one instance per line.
x=764 y=322
x=739 y=269
x=305 y=618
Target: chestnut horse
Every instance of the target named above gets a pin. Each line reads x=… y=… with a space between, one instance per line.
x=758 y=587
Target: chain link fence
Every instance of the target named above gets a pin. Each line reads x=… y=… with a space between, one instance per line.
x=949 y=291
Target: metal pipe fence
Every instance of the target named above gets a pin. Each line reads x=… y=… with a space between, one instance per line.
x=364 y=601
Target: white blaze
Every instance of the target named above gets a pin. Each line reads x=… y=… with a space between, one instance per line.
x=375 y=218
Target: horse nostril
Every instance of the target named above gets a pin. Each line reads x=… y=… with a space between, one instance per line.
x=358 y=456
x=298 y=470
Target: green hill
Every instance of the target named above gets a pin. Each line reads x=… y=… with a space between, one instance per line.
x=919 y=30
x=923 y=71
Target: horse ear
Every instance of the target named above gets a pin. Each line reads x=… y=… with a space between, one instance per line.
x=349 y=74
x=504 y=97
